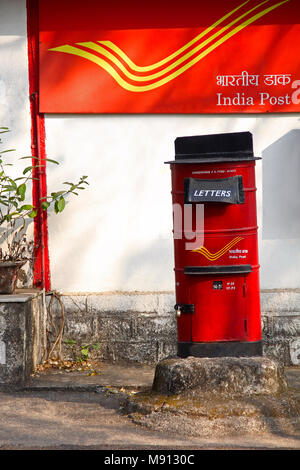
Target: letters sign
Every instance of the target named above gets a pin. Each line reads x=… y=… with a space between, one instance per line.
x=238 y=56
x=228 y=190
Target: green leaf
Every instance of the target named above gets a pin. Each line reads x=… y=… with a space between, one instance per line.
x=9 y=188
x=12 y=182
x=23 y=158
x=56 y=195
x=26 y=207
x=14 y=203
x=52 y=161
x=85 y=352
x=32 y=214
x=45 y=205
x=72 y=188
x=5 y=151
x=21 y=189
x=28 y=168
x=61 y=203
x=70 y=341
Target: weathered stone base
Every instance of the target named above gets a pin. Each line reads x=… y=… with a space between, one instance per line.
x=220 y=396
x=227 y=375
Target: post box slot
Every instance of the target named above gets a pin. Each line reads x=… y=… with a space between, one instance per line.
x=225 y=190
x=200 y=270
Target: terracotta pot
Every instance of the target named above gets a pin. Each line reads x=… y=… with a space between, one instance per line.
x=9 y=271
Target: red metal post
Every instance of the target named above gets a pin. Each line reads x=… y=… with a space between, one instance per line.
x=41 y=277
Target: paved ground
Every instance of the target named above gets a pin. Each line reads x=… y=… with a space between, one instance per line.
x=62 y=410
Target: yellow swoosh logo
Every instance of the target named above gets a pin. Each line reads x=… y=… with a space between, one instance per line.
x=146 y=78
x=214 y=256
x=160 y=82
x=147 y=68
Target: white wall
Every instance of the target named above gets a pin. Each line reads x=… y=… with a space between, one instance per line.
x=116 y=236
x=14 y=87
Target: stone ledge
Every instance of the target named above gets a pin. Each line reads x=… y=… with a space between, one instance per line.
x=18 y=297
x=274 y=301
x=117 y=302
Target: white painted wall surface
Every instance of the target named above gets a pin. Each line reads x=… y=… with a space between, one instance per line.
x=14 y=87
x=117 y=234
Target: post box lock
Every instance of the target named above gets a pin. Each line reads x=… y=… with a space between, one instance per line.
x=184 y=308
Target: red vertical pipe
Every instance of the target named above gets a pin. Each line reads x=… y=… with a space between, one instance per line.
x=41 y=272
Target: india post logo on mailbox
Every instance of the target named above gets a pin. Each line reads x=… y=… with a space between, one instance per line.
x=218 y=254
x=169 y=57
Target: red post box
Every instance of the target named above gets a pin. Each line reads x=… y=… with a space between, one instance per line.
x=217 y=280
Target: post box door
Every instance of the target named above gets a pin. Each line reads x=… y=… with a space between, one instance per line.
x=220 y=308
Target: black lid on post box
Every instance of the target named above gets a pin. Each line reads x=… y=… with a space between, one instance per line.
x=234 y=146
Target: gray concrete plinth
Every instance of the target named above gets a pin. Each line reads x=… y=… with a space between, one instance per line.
x=226 y=375
x=20 y=337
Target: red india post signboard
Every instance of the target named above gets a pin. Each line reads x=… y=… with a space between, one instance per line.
x=238 y=56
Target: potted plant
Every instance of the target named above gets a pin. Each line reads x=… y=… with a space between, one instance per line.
x=16 y=214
